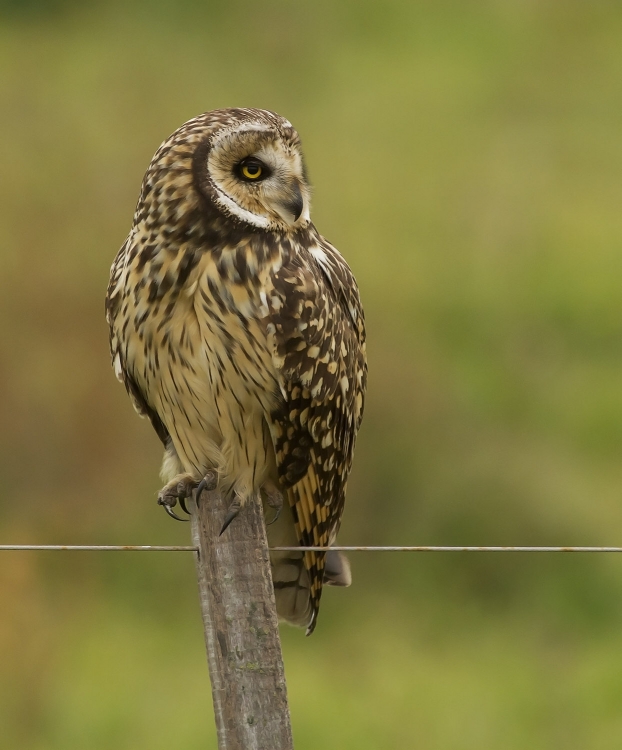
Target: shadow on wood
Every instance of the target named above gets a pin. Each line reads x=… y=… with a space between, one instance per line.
x=241 y=627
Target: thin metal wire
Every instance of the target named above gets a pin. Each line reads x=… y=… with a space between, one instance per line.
x=95 y=548
x=177 y=548
x=448 y=549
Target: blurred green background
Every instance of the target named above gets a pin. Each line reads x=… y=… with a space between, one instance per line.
x=467 y=160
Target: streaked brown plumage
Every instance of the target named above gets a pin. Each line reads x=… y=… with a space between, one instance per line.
x=238 y=330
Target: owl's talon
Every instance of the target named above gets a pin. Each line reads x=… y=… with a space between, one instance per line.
x=209 y=483
x=172 y=513
x=275 y=518
x=274 y=499
x=167 y=501
x=233 y=511
x=178 y=489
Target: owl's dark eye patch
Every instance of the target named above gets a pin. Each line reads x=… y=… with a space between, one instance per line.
x=252 y=169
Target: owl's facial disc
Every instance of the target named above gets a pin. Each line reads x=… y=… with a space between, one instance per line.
x=258 y=178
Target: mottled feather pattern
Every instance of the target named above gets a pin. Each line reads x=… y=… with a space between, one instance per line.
x=318 y=329
x=238 y=330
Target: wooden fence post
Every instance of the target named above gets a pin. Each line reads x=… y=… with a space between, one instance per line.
x=241 y=627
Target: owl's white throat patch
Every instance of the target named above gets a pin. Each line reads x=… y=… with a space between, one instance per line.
x=232 y=208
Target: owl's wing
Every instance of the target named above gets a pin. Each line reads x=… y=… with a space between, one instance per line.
x=114 y=300
x=317 y=332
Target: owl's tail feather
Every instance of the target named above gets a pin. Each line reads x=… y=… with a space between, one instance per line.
x=337 y=569
x=292 y=589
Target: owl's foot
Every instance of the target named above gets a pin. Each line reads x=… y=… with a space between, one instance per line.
x=180 y=488
x=274 y=499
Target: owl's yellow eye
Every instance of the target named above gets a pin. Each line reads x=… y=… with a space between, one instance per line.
x=252 y=171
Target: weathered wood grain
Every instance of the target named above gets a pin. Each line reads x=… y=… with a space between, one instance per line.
x=241 y=628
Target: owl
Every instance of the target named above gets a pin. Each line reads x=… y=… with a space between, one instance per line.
x=238 y=331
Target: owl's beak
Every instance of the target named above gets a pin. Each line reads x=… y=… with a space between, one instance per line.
x=294 y=205
x=297 y=204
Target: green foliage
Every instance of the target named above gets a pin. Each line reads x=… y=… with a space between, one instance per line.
x=466 y=159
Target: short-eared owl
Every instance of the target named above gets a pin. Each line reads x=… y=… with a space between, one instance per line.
x=238 y=330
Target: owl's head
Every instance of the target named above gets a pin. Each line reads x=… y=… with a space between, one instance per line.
x=245 y=164
x=226 y=169
x=252 y=169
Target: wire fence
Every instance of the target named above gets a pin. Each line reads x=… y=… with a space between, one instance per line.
x=236 y=688
x=182 y=548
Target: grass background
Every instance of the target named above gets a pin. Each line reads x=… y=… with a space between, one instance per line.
x=466 y=158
